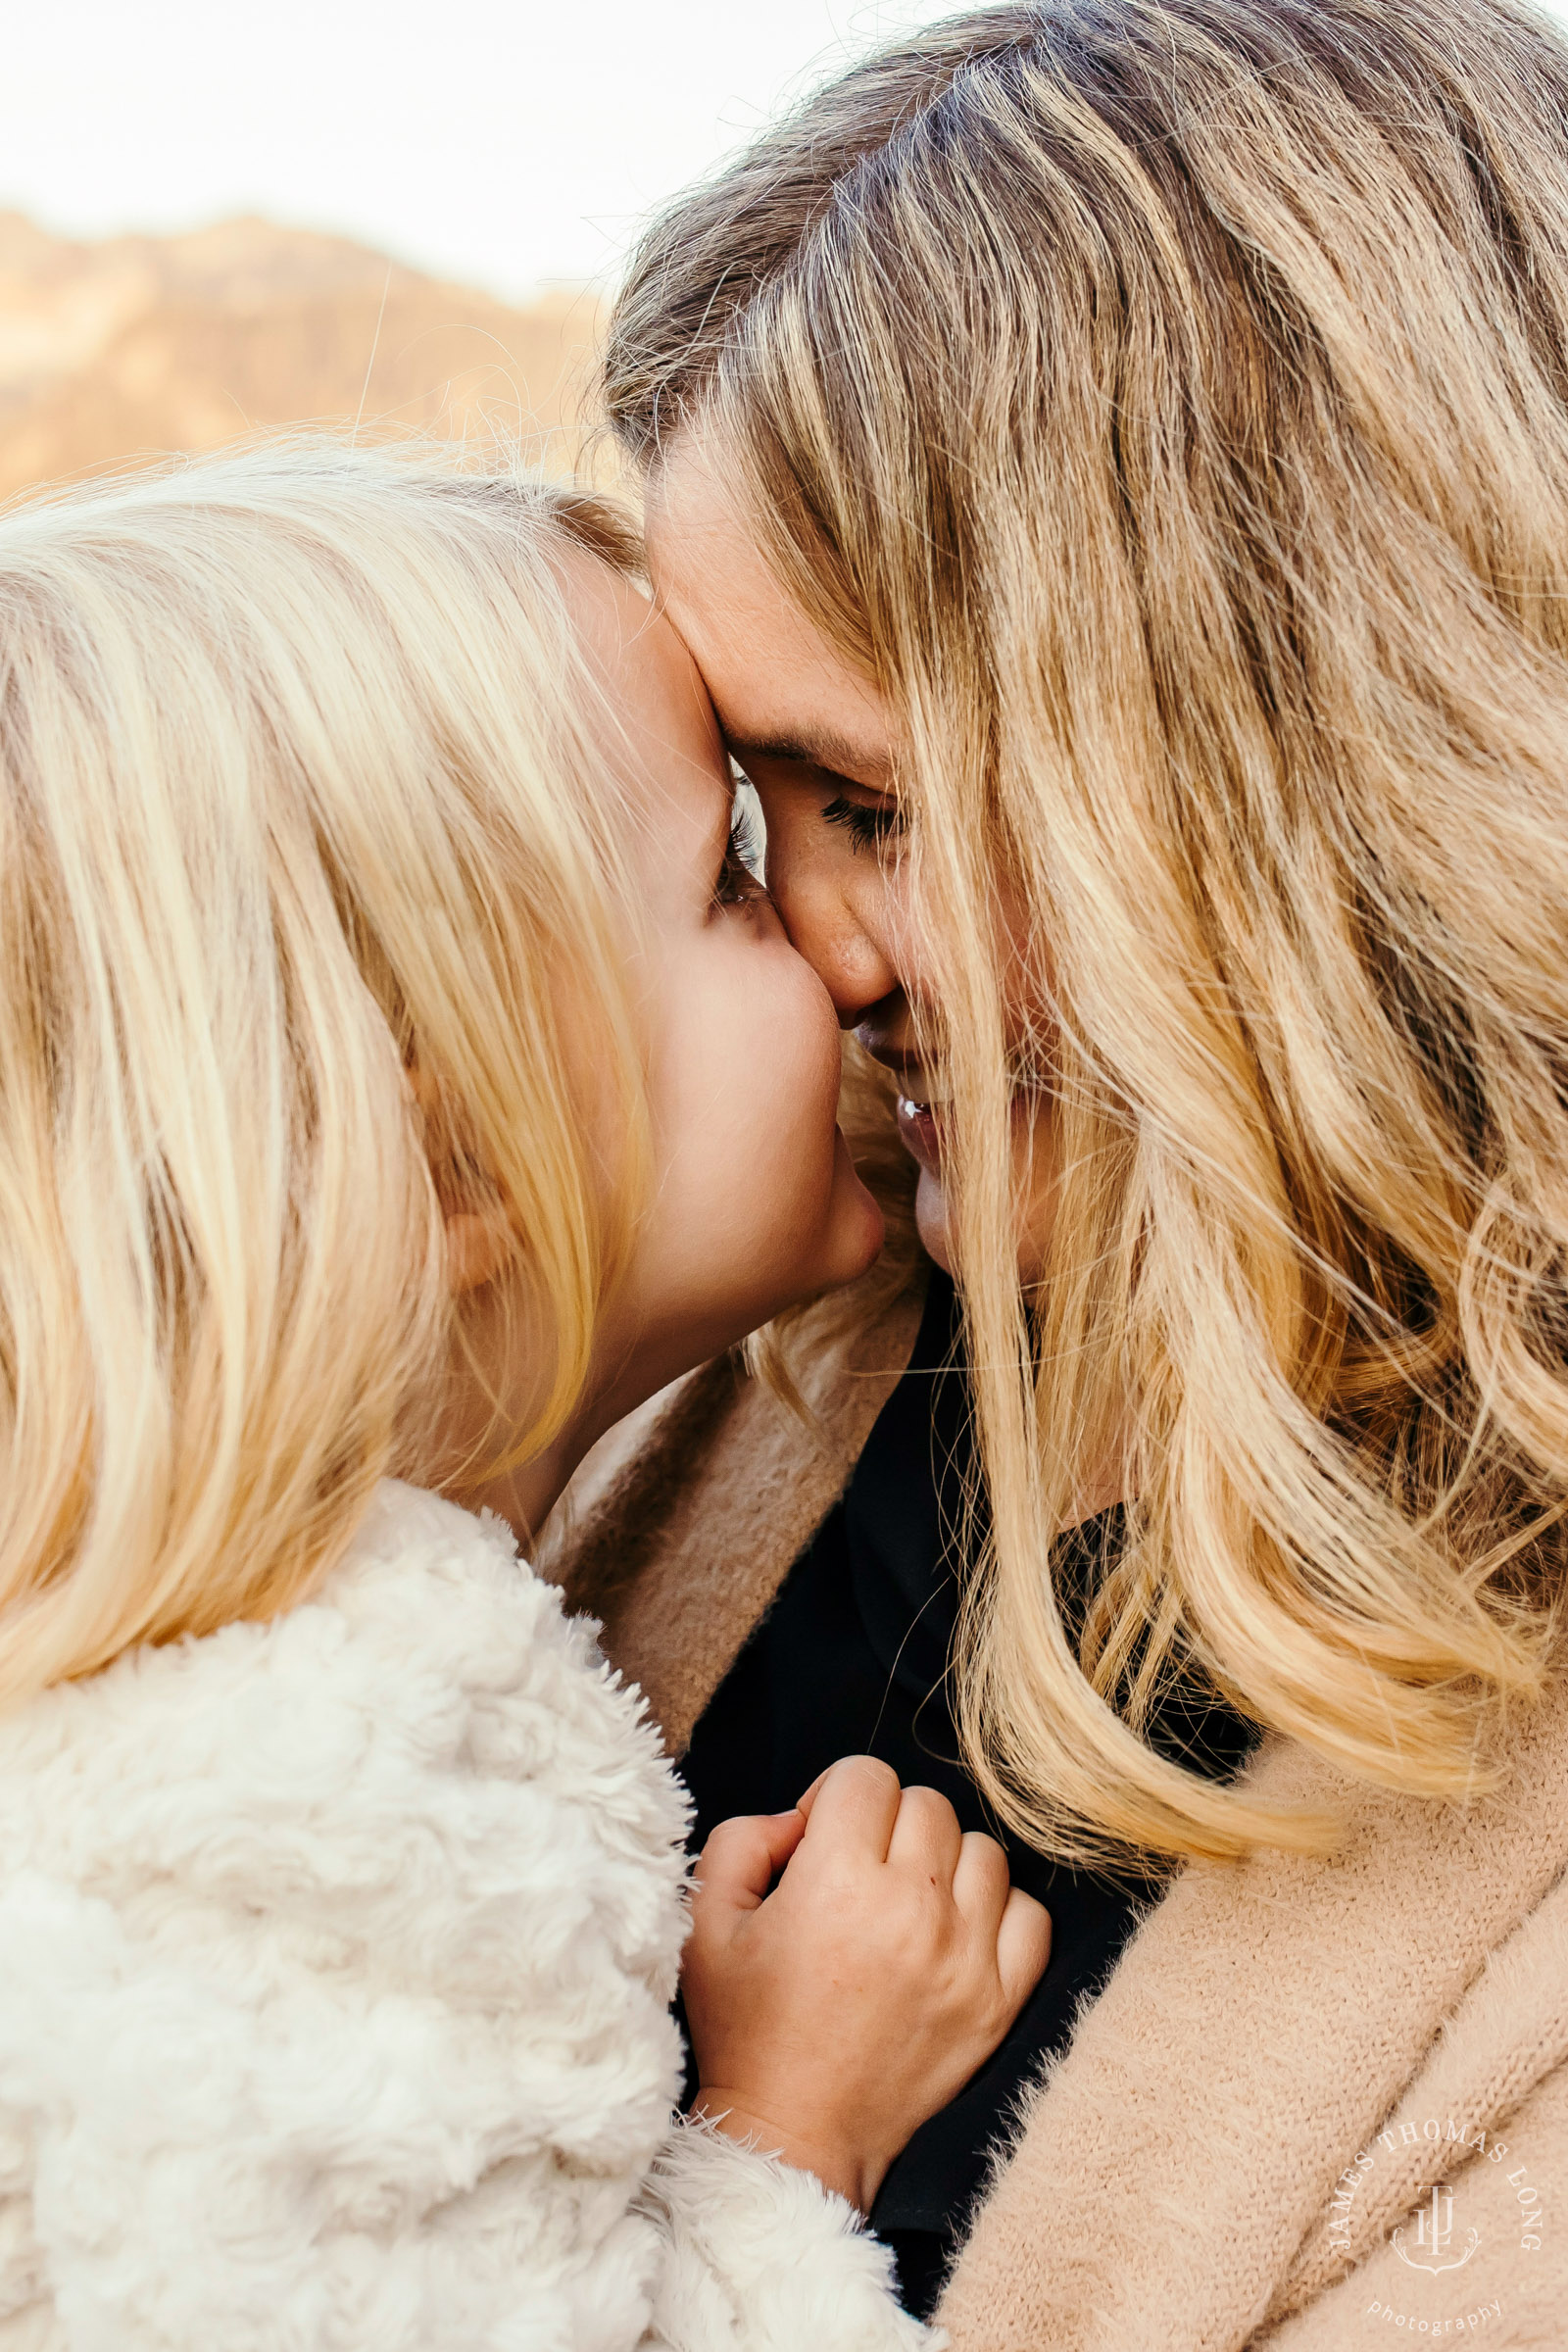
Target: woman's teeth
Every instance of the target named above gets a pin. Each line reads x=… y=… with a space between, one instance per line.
x=931 y=1094
x=920 y=1124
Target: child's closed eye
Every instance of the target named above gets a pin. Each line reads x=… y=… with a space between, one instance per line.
x=740 y=876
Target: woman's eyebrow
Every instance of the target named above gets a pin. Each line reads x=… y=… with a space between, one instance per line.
x=815 y=747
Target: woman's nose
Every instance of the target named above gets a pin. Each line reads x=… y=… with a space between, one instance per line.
x=826 y=928
x=831 y=907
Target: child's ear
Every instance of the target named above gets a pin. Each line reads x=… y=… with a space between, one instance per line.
x=479 y=1240
x=479 y=1245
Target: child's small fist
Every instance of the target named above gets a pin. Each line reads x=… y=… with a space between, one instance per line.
x=831 y=2017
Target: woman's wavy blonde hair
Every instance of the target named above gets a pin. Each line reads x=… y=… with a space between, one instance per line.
x=1166 y=402
x=305 y=836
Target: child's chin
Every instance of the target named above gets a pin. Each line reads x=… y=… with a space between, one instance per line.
x=850 y=1234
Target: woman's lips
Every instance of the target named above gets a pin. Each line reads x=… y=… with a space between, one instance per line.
x=923 y=1125
x=920 y=1127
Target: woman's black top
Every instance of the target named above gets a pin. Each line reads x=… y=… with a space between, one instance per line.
x=851 y=1659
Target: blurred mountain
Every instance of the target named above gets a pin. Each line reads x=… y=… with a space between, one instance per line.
x=138 y=346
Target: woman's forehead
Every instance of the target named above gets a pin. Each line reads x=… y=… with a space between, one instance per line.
x=777 y=681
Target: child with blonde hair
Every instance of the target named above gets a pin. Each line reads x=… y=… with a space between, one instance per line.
x=401 y=1076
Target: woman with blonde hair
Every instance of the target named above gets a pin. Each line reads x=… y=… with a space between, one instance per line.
x=401 y=1075
x=1109 y=459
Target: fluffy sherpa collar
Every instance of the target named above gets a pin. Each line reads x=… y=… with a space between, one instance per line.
x=309 y=1928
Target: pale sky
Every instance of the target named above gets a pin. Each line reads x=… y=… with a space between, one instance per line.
x=505 y=143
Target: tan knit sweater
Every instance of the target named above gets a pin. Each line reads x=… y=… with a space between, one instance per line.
x=1321 y=2103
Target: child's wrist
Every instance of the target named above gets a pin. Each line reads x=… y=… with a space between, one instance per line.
x=843 y=2170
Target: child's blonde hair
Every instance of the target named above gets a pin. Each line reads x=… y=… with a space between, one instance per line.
x=306 y=839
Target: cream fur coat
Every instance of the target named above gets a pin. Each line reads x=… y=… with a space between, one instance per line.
x=1322 y=2103
x=335 y=1962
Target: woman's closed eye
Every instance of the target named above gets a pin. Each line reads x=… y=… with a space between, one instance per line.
x=870 y=826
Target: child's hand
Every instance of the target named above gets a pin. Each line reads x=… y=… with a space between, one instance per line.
x=830 y=2017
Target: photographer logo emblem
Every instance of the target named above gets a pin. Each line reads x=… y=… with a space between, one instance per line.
x=1436 y=2239
x=1431 y=2247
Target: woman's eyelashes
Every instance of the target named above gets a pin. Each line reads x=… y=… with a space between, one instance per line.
x=869 y=827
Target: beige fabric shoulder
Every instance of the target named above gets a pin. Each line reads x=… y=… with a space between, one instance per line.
x=1240 y=2146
